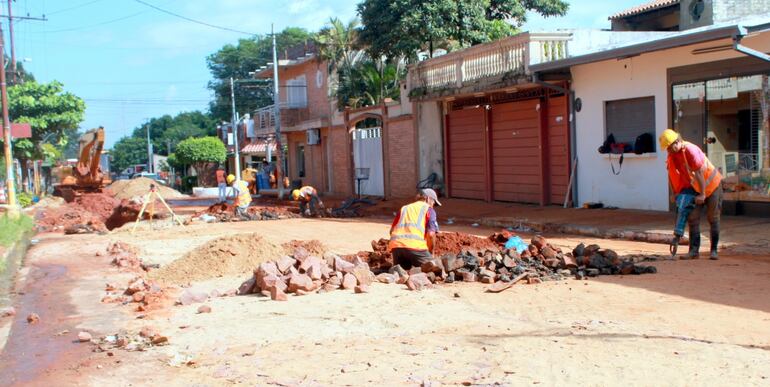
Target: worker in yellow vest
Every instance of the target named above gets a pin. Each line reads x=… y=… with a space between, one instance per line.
x=309 y=202
x=413 y=231
x=690 y=171
x=242 y=196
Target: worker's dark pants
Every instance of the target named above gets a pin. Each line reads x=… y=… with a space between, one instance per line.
x=313 y=203
x=713 y=208
x=408 y=258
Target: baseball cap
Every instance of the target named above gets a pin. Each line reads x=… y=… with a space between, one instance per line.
x=429 y=193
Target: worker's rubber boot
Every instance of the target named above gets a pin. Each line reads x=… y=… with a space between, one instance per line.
x=714 y=242
x=694 y=245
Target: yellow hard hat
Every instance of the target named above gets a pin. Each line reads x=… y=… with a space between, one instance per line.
x=230 y=178
x=295 y=194
x=667 y=138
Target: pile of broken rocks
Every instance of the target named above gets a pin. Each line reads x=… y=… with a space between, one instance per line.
x=303 y=273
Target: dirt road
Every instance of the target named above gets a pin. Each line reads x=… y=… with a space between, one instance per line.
x=694 y=323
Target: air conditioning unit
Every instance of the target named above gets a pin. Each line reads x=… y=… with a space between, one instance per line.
x=313 y=137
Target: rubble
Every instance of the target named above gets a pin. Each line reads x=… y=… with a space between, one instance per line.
x=7 y=312
x=84 y=337
x=33 y=318
x=146 y=338
x=225 y=212
x=125 y=256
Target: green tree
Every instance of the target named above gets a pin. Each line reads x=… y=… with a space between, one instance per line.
x=402 y=28
x=202 y=154
x=369 y=83
x=127 y=152
x=52 y=113
x=237 y=61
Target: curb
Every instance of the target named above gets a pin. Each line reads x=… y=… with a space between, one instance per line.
x=590 y=231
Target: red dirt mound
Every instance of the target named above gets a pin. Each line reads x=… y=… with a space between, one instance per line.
x=90 y=212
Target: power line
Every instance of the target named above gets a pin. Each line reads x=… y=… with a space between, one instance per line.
x=193 y=20
x=92 y=25
x=74 y=7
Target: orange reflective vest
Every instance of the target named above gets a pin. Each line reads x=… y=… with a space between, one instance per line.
x=409 y=233
x=711 y=176
x=244 y=196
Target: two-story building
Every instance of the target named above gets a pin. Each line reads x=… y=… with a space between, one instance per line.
x=521 y=119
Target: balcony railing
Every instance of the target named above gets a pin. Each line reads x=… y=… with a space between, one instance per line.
x=264 y=118
x=511 y=55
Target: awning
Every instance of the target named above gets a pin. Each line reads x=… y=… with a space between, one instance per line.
x=257 y=148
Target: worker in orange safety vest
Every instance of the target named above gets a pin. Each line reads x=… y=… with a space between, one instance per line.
x=413 y=231
x=689 y=170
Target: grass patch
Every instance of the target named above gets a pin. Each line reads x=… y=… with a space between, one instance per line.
x=12 y=229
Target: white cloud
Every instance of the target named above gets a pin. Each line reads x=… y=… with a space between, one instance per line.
x=300 y=6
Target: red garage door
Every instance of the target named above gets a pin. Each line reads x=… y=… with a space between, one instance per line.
x=466 y=151
x=558 y=148
x=516 y=170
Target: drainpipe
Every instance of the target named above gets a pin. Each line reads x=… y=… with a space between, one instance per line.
x=737 y=46
x=572 y=128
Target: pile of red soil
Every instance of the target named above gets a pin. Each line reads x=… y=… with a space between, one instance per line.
x=90 y=212
x=455 y=242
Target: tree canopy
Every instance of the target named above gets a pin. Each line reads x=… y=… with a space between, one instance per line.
x=402 y=28
x=165 y=133
x=52 y=113
x=237 y=61
x=201 y=153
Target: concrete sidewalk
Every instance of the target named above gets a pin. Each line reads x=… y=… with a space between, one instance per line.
x=740 y=234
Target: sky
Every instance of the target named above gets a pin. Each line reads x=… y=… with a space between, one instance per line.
x=131 y=62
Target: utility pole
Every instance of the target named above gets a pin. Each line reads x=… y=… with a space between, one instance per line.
x=11 y=194
x=277 y=107
x=10 y=18
x=149 y=150
x=13 y=50
x=234 y=125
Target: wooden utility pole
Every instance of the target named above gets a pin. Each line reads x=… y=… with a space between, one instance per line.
x=11 y=194
x=277 y=107
x=13 y=50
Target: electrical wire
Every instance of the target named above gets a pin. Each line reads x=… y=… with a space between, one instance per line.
x=73 y=7
x=193 y=20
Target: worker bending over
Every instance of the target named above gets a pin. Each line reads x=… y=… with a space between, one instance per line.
x=690 y=171
x=309 y=202
x=242 y=196
x=413 y=231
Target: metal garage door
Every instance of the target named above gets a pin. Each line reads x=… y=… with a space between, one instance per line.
x=516 y=169
x=466 y=153
x=558 y=149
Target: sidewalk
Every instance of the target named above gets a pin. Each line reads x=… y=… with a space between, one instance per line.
x=744 y=234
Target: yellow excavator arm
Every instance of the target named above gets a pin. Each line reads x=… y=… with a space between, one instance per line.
x=87 y=176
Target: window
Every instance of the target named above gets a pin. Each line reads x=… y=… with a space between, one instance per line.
x=626 y=119
x=297 y=92
x=301 y=160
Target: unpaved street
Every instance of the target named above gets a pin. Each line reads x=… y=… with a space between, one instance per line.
x=693 y=323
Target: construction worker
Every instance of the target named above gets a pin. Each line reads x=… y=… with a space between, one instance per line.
x=690 y=171
x=413 y=231
x=242 y=196
x=309 y=202
x=221 y=184
x=249 y=175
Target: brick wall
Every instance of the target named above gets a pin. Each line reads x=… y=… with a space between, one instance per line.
x=340 y=160
x=403 y=162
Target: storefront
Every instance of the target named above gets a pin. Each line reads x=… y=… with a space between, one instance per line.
x=723 y=107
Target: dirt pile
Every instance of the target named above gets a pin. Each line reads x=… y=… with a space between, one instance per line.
x=380 y=260
x=224 y=212
x=303 y=273
x=128 y=189
x=314 y=247
x=230 y=255
x=90 y=212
